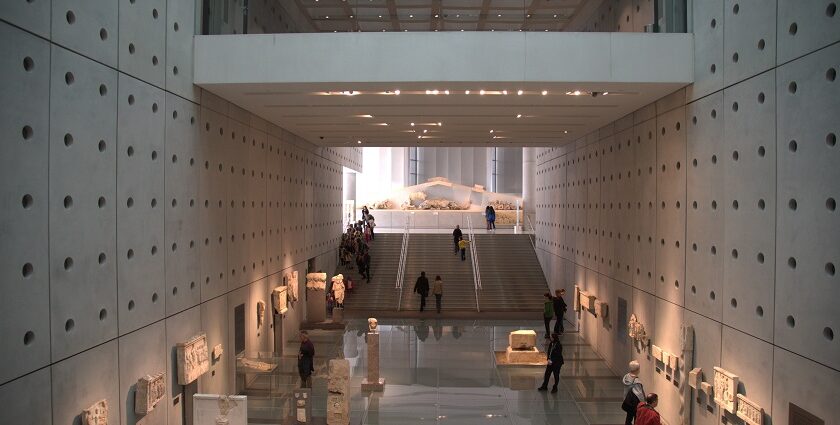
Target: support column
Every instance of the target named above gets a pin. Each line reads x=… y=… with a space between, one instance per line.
x=529 y=174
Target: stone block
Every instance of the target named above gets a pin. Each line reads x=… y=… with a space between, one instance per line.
x=694 y=378
x=378 y=385
x=96 y=414
x=339 y=376
x=193 y=359
x=338 y=315
x=532 y=355
x=150 y=390
x=338 y=409
x=522 y=339
x=372 y=357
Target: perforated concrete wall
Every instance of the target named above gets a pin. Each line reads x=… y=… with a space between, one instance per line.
x=715 y=207
x=137 y=211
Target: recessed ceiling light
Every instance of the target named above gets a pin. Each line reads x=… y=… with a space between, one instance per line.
x=519 y=92
x=457 y=16
x=544 y=92
x=412 y=124
x=425 y=131
x=446 y=92
x=518 y=115
x=436 y=15
x=555 y=16
x=328 y=16
x=380 y=16
x=491 y=131
x=351 y=16
x=397 y=92
x=440 y=124
x=410 y=16
x=565 y=131
x=504 y=92
x=605 y=93
x=359 y=142
x=462 y=30
x=481 y=92
x=499 y=15
x=466 y=92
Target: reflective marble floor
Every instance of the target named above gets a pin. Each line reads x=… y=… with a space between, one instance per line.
x=443 y=371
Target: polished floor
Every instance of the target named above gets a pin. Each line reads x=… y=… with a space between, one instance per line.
x=444 y=371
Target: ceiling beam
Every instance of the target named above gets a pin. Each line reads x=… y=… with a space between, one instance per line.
x=306 y=15
x=434 y=22
x=482 y=15
x=392 y=11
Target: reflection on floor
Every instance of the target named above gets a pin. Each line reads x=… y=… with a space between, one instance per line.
x=444 y=371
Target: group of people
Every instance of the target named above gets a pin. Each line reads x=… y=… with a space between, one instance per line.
x=354 y=249
x=640 y=407
x=460 y=242
x=554 y=307
x=421 y=287
x=490 y=216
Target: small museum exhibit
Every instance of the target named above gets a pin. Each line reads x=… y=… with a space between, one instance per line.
x=150 y=390
x=373 y=382
x=96 y=414
x=338 y=398
x=215 y=409
x=193 y=359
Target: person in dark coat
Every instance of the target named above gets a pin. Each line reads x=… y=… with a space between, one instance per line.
x=555 y=362
x=422 y=287
x=559 y=310
x=306 y=360
x=366 y=264
x=456 y=236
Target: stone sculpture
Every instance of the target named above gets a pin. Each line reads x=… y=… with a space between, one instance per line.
x=260 y=314
x=695 y=378
x=280 y=298
x=316 y=281
x=707 y=388
x=373 y=382
x=636 y=330
x=193 y=359
x=372 y=324
x=749 y=411
x=577 y=298
x=149 y=391
x=217 y=352
x=602 y=309
x=522 y=347
x=338 y=288
x=215 y=409
x=726 y=387
x=226 y=404
x=338 y=399
x=96 y=414
x=303 y=408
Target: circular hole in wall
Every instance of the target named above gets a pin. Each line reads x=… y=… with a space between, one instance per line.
x=103 y=314
x=761 y=151
x=694 y=120
x=761 y=44
x=101 y=202
x=153 y=250
x=793 y=146
x=831 y=140
x=713 y=250
x=101 y=259
x=154 y=155
x=154 y=297
x=734 y=303
x=792 y=263
x=831 y=74
x=69 y=325
x=713 y=24
x=759 y=311
x=735 y=155
x=792 y=204
x=28 y=64
x=736 y=8
x=714 y=205
x=26 y=132
x=129 y=202
x=735 y=58
x=694 y=205
x=26 y=201
x=828 y=333
x=131 y=48
x=761 y=97
x=174 y=290
x=70 y=17
x=829 y=269
x=175 y=26
x=712 y=295
x=154 y=60
x=130 y=305
x=791 y=322
x=27 y=270
x=129 y=254
x=830 y=204
x=154 y=107
x=103 y=34
x=103 y=89
x=28 y=338
x=735 y=204
x=714 y=159
x=713 y=68
x=174 y=70
x=831 y=9
x=792 y=87
x=101 y=146
x=760 y=258
x=154 y=13
x=68 y=139
x=154 y=202
x=793 y=28
x=735 y=253
x=693 y=289
x=68 y=201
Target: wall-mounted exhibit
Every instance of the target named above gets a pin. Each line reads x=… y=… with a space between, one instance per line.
x=150 y=389
x=215 y=409
x=193 y=358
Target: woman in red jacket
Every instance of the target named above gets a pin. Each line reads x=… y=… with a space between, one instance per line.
x=646 y=413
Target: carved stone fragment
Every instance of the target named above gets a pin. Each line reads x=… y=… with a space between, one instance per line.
x=149 y=391
x=372 y=324
x=656 y=352
x=695 y=377
x=260 y=314
x=316 y=281
x=96 y=414
x=636 y=330
x=193 y=359
x=726 y=387
x=280 y=299
x=217 y=352
x=522 y=339
x=749 y=411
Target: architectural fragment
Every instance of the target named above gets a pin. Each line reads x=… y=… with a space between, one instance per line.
x=577 y=298
x=338 y=399
x=279 y=299
x=260 y=314
x=96 y=414
x=215 y=409
x=656 y=352
x=522 y=339
x=695 y=378
x=749 y=411
x=726 y=387
x=316 y=281
x=636 y=330
x=149 y=391
x=217 y=352
x=193 y=359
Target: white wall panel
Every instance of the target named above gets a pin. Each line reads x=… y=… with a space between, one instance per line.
x=27 y=400
x=644 y=230
x=84 y=379
x=708 y=22
x=142 y=48
x=180 y=27
x=141 y=353
x=749 y=38
x=89 y=28
x=804 y=26
x=670 y=215
x=32 y=15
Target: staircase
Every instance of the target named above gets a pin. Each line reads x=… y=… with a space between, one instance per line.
x=379 y=294
x=511 y=277
x=434 y=254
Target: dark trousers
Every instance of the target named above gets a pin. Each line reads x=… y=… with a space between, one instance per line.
x=422 y=302
x=628 y=420
x=552 y=369
x=456 y=247
x=558 y=326
x=463 y=254
x=306 y=381
x=437 y=301
x=547 y=321
x=372 y=235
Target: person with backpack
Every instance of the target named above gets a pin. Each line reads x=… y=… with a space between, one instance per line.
x=462 y=245
x=646 y=413
x=634 y=392
x=548 y=313
x=555 y=362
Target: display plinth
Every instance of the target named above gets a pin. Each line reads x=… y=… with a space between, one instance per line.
x=316 y=306
x=373 y=382
x=378 y=385
x=531 y=355
x=338 y=315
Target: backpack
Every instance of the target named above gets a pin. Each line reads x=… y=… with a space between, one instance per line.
x=631 y=401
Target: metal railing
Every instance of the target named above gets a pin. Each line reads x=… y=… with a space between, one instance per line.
x=533 y=233
x=403 y=260
x=474 y=258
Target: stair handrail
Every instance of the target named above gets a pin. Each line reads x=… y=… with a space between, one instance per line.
x=474 y=259
x=403 y=260
x=533 y=234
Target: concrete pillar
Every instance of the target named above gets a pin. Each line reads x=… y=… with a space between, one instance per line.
x=529 y=175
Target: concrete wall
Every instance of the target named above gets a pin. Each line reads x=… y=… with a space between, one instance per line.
x=135 y=210
x=712 y=207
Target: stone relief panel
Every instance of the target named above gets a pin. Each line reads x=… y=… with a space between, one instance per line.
x=749 y=411
x=726 y=386
x=96 y=414
x=260 y=314
x=220 y=409
x=150 y=390
x=193 y=359
x=316 y=281
x=280 y=299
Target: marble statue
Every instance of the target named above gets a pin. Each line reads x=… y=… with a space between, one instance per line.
x=749 y=411
x=372 y=324
x=636 y=330
x=226 y=404
x=726 y=386
x=280 y=298
x=193 y=359
x=338 y=288
x=96 y=414
x=217 y=352
x=149 y=391
x=260 y=314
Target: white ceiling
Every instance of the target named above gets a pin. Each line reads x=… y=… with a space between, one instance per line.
x=300 y=82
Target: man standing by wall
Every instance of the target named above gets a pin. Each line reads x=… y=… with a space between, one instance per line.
x=559 y=310
x=306 y=360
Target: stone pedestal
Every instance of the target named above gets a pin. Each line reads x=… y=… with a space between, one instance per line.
x=316 y=306
x=532 y=355
x=373 y=382
x=338 y=399
x=522 y=340
x=338 y=315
